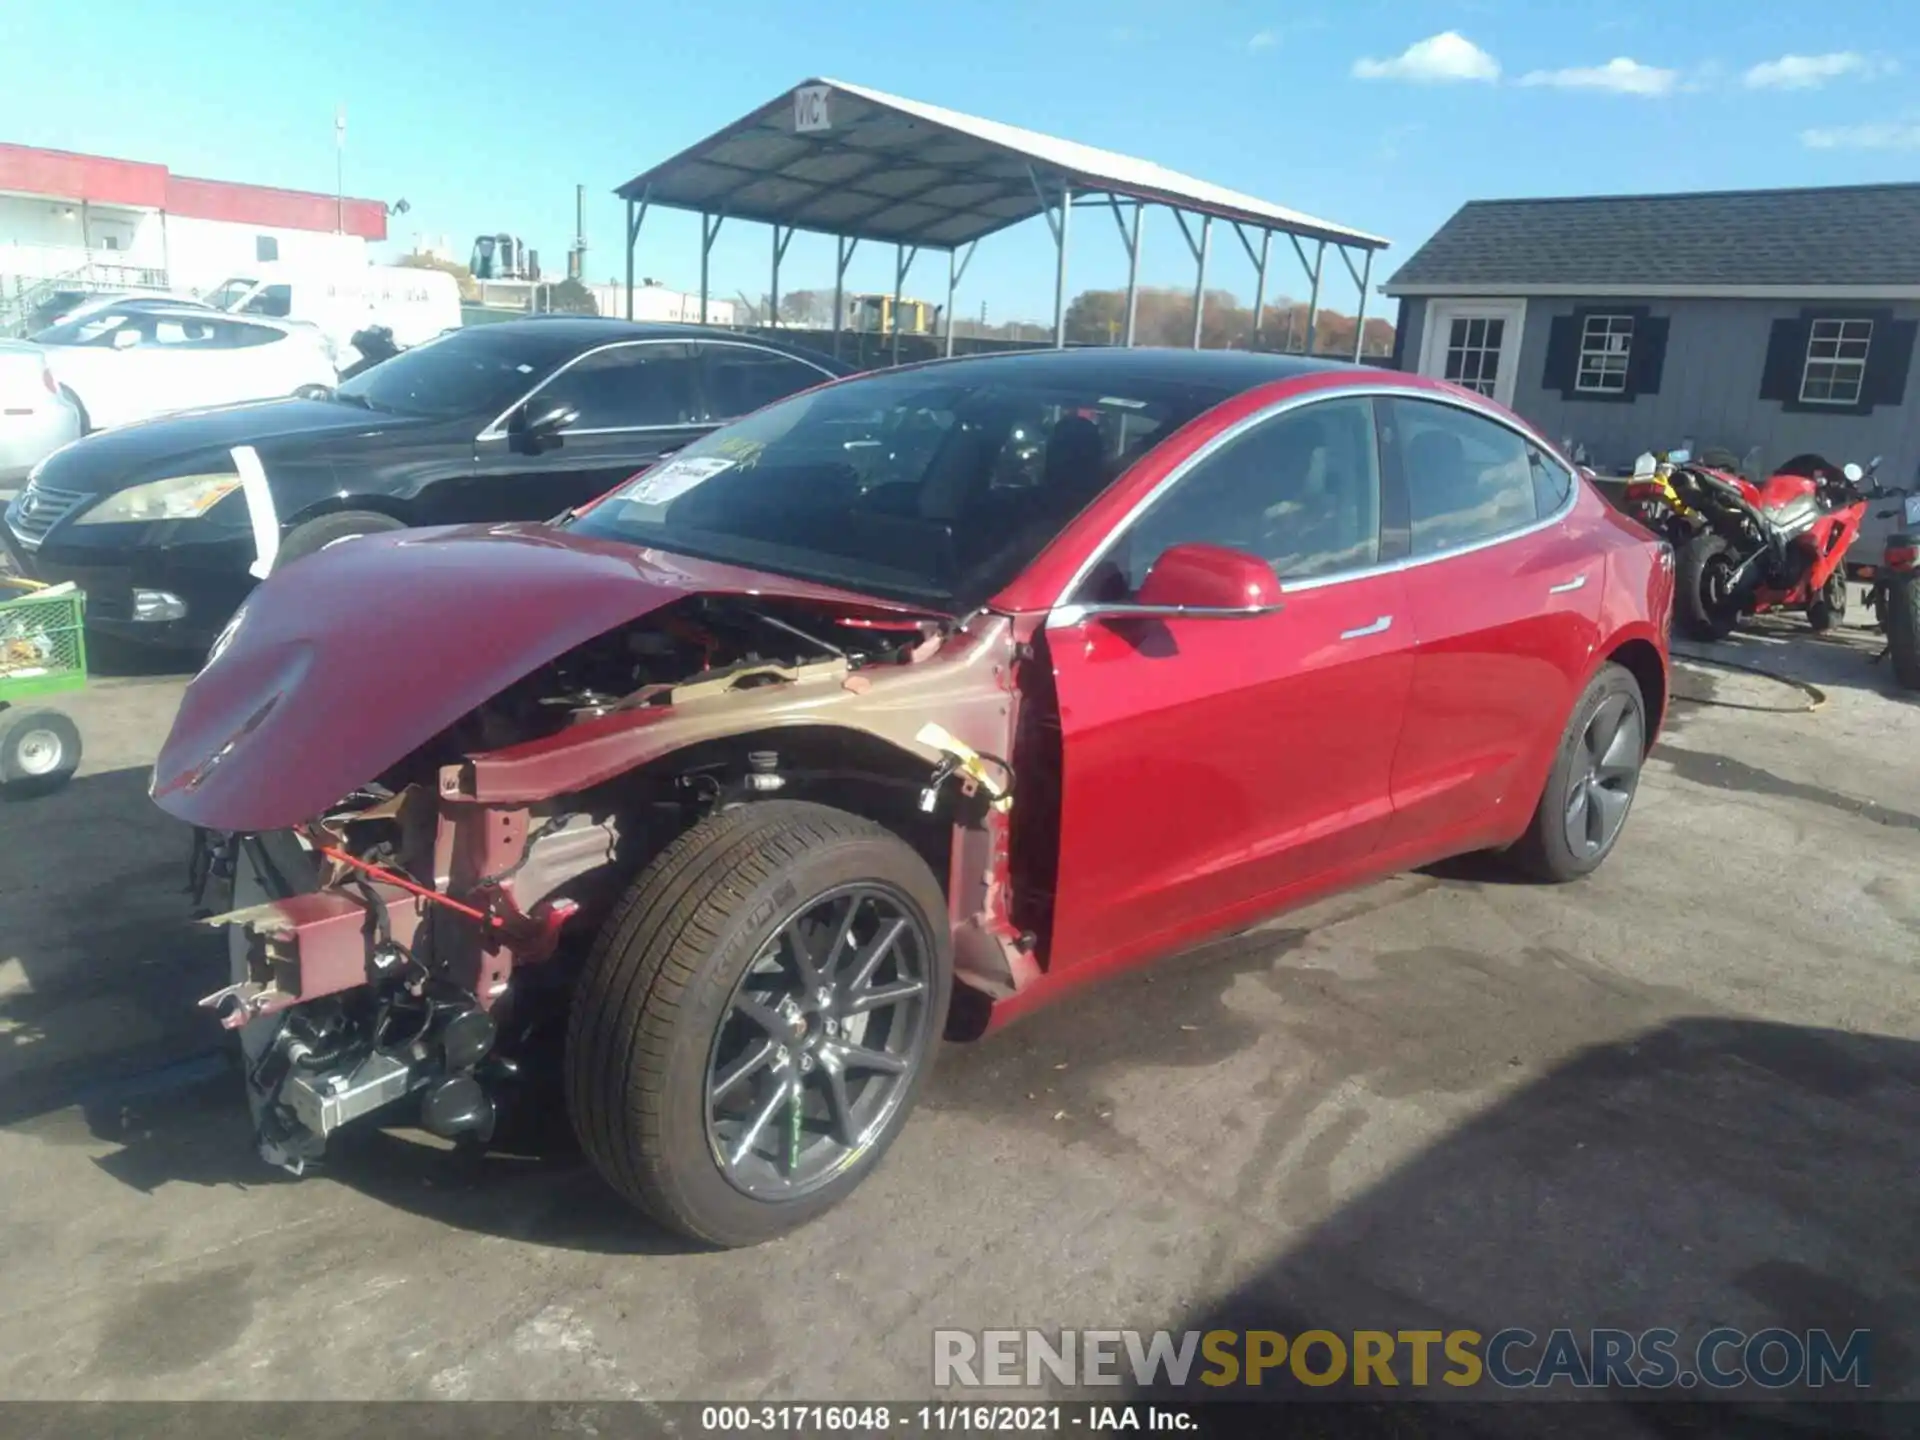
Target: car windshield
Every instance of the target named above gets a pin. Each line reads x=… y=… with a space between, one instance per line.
x=465 y=372
x=932 y=486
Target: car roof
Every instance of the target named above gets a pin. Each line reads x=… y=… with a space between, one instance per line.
x=1227 y=371
x=585 y=331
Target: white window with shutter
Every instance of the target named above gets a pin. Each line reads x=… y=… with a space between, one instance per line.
x=1835 y=371
x=1606 y=345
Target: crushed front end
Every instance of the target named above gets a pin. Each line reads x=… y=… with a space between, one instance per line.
x=410 y=948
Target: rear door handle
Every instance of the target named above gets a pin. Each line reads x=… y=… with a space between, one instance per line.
x=1378 y=627
x=1567 y=586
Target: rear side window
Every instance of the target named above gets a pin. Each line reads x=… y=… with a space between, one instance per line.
x=628 y=387
x=234 y=336
x=273 y=300
x=740 y=379
x=1468 y=478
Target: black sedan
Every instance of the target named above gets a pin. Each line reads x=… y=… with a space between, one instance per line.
x=165 y=529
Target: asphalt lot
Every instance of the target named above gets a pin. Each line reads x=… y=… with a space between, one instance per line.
x=1685 y=1092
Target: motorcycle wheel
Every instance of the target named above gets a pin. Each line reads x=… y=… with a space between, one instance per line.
x=1830 y=606
x=1903 y=631
x=1702 y=610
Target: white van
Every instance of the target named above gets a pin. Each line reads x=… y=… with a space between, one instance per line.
x=414 y=304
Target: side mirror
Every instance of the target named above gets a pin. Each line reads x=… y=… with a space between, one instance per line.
x=547 y=421
x=1210 y=578
x=1853 y=473
x=1202 y=582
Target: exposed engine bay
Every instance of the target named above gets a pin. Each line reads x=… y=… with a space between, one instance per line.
x=396 y=946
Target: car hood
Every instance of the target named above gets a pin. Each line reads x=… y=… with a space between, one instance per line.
x=109 y=460
x=345 y=662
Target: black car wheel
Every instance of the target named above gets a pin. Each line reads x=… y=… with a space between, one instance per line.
x=1704 y=610
x=756 y=1019
x=1829 y=608
x=335 y=529
x=39 y=750
x=1591 y=787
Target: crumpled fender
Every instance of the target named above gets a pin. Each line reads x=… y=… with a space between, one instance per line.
x=343 y=663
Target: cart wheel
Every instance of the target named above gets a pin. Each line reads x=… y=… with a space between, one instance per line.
x=39 y=750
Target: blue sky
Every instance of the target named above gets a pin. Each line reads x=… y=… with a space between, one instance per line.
x=1382 y=114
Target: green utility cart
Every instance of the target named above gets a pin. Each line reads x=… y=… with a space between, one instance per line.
x=43 y=651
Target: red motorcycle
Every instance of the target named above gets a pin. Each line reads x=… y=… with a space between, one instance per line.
x=1746 y=549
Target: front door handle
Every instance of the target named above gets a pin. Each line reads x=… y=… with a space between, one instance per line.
x=1378 y=627
x=1568 y=586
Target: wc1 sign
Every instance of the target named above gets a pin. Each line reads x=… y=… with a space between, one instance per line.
x=810 y=109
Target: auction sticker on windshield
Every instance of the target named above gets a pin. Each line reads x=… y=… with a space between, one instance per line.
x=673 y=479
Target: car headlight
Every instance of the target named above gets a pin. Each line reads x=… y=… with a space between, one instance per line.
x=183 y=497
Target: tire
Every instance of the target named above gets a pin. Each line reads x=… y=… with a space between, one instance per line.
x=39 y=751
x=1700 y=619
x=86 y=422
x=324 y=530
x=1903 y=630
x=666 y=991
x=1590 y=756
x=1830 y=608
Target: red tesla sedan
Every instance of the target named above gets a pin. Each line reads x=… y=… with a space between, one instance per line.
x=972 y=679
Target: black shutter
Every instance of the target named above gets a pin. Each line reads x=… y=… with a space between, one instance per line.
x=1399 y=360
x=1786 y=360
x=1563 y=353
x=1648 y=356
x=1888 y=359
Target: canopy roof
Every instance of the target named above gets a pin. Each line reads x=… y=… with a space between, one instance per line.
x=846 y=160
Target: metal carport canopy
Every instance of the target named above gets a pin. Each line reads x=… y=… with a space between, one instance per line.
x=858 y=164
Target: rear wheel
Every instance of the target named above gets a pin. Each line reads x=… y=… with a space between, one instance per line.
x=1903 y=630
x=1829 y=608
x=86 y=424
x=1591 y=787
x=1706 y=566
x=756 y=1019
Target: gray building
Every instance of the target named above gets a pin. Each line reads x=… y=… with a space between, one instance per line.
x=1776 y=321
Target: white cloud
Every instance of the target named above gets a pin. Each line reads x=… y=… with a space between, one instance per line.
x=1809 y=72
x=1884 y=135
x=1621 y=76
x=1265 y=40
x=1439 y=59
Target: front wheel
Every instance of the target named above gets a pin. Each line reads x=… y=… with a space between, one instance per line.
x=1704 y=609
x=756 y=1019
x=1903 y=630
x=1829 y=607
x=325 y=531
x=1591 y=787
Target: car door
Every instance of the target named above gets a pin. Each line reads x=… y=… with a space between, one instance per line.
x=635 y=402
x=1212 y=765
x=1503 y=599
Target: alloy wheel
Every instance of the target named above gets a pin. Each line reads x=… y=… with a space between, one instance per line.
x=819 y=1042
x=1606 y=770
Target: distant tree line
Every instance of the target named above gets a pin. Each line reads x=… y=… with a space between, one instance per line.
x=1162 y=317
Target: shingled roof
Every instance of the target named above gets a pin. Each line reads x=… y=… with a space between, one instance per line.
x=1854 y=237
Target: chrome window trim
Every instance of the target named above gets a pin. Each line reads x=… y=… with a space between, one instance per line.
x=1064 y=603
x=493 y=430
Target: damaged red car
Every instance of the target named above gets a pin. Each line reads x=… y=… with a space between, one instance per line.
x=880 y=716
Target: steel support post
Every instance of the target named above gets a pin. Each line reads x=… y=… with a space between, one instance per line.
x=954 y=277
